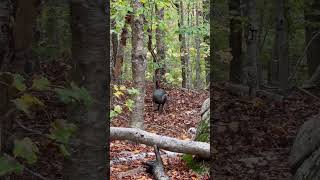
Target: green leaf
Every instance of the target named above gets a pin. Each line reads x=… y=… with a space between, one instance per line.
x=129 y=103
x=192 y=164
x=118 y=109
x=61 y=131
x=64 y=150
x=133 y=91
x=27 y=101
x=18 y=82
x=9 y=165
x=113 y=114
x=40 y=84
x=26 y=149
x=69 y=95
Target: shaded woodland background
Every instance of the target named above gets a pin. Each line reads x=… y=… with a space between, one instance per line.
x=54 y=87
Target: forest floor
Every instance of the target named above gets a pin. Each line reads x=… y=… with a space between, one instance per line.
x=252 y=136
x=182 y=113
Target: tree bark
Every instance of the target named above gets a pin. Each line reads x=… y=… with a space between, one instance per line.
x=156 y=167
x=235 y=39
x=5 y=56
x=138 y=66
x=160 y=44
x=281 y=42
x=25 y=21
x=200 y=149
x=198 y=67
x=206 y=38
x=252 y=46
x=312 y=18
x=5 y=35
x=183 y=50
x=119 y=56
x=90 y=36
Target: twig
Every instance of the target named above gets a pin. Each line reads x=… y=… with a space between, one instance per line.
x=28 y=129
x=35 y=174
x=308 y=93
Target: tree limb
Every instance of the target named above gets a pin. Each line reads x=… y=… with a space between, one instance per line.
x=200 y=149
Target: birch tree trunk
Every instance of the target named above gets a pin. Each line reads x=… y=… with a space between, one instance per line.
x=138 y=66
x=90 y=36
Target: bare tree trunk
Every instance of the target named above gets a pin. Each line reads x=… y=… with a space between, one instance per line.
x=184 y=52
x=312 y=18
x=5 y=53
x=160 y=45
x=206 y=38
x=114 y=42
x=119 y=57
x=25 y=20
x=90 y=36
x=198 y=67
x=138 y=66
x=281 y=42
x=5 y=35
x=252 y=46
x=235 y=39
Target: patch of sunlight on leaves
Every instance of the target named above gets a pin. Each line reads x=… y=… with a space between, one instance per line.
x=18 y=82
x=41 y=84
x=9 y=165
x=61 y=131
x=26 y=149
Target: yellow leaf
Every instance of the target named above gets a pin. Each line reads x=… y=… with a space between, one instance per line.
x=122 y=88
x=116 y=88
x=118 y=94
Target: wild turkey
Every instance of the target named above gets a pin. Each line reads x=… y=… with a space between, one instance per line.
x=160 y=97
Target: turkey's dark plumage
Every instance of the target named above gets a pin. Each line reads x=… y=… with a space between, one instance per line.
x=159 y=97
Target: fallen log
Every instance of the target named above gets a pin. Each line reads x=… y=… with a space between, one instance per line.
x=242 y=90
x=156 y=167
x=200 y=149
